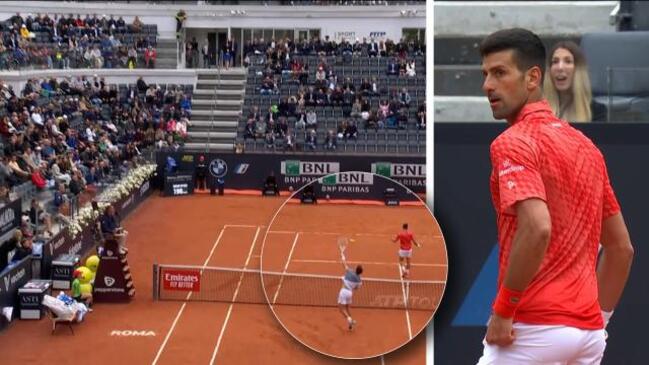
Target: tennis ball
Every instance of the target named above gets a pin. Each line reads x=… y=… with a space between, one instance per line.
x=327 y=196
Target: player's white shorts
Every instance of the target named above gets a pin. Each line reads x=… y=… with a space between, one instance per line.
x=405 y=253
x=547 y=345
x=345 y=296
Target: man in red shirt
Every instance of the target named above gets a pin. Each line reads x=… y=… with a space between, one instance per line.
x=150 y=56
x=406 y=239
x=554 y=205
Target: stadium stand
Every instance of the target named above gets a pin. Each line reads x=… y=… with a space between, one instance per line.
x=75 y=42
x=333 y=80
x=55 y=129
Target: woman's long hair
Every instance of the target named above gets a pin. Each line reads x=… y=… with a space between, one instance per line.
x=578 y=110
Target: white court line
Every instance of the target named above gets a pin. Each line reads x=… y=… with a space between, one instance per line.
x=405 y=302
x=189 y=295
x=353 y=234
x=288 y=261
x=240 y=226
x=363 y=262
x=234 y=297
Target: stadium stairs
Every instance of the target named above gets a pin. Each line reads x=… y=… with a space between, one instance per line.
x=216 y=109
x=167 y=54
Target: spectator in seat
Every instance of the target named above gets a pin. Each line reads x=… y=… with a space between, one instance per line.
x=331 y=141
x=393 y=67
x=301 y=122
x=311 y=140
x=352 y=131
x=38 y=215
x=132 y=58
x=61 y=200
x=566 y=85
x=269 y=138
x=267 y=86
x=402 y=67
x=404 y=97
x=137 y=24
x=410 y=69
x=24 y=249
x=311 y=119
x=150 y=56
x=289 y=143
x=260 y=128
x=401 y=118
x=17 y=170
x=249 y=131
x=373 y=48
x=366 y=87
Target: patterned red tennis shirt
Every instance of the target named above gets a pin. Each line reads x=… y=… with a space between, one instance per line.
x=541 y=156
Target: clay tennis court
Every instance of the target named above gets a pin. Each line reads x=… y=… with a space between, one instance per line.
x=197 y=230
x=302 y=240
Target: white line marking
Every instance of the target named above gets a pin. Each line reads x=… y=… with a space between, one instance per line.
x=173 y=325
x=363 y=262
x=288 y=261
x=240 y=226
x=189 y=295
x=234 y=297
x=405 y=301
x=349 y=234
x=283 y=232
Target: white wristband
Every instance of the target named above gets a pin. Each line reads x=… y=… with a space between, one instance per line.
x=606 y=316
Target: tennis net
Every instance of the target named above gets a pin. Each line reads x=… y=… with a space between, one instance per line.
x=231 y=285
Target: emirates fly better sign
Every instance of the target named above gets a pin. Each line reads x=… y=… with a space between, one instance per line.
x=185 y=280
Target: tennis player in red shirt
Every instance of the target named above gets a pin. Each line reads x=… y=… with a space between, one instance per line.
x=554 y=206
x=406 y=239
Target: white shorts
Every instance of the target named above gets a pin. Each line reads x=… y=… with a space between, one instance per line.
x=547 y=345
x=405 y=253
x=345 y=296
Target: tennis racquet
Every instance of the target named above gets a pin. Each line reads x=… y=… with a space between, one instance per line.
x=342 y=245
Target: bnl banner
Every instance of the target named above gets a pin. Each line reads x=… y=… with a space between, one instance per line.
x=249 y=171
x=464 y=210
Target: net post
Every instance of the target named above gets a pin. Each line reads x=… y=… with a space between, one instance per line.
x=156 y=282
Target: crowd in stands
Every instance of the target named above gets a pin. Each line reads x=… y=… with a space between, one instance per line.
x=284 y=61
x=68 y=135
x=72 y=41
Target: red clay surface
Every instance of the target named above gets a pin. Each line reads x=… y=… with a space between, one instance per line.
x=302 y=239
x=196 y=230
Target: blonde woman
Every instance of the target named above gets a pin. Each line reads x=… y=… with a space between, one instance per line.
x=566 y=85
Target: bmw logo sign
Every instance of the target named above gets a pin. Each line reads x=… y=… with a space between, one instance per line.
x=218 y=168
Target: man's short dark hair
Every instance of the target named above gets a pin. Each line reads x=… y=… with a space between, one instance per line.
x=528 y=49
x=359 y=270
x=405 y=226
